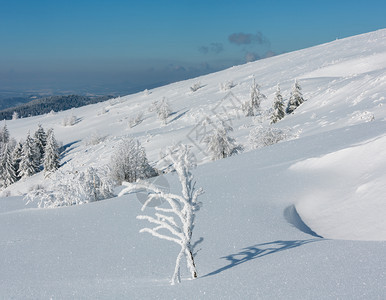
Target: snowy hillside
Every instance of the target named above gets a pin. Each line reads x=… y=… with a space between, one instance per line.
x=331 y=168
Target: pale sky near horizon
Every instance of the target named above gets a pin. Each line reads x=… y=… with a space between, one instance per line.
x=75 y=43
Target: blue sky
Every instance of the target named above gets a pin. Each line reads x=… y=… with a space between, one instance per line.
x=72 y=44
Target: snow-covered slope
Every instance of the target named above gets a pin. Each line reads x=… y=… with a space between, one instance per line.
x=254 y=242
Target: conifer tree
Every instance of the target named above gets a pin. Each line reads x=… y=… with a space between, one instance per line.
x=4 y=134
x=40 y=138
x=220 y=144
x=252 y=107
x=296 y=98
x=16 y=158
x=8 y=174
x=278 y=107
x=51 y=160
x=28 y=165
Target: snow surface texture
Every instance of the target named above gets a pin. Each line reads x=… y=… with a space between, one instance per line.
x=253 y=242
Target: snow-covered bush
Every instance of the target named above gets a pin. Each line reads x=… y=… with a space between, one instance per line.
x=69 y=121
x=262 y=136
x=195 y=86
x=136 y=120
x=226 y=86
x=175 y=222
x=67 y=188
x=129 y=162
x=220 y=144
x=296 y=98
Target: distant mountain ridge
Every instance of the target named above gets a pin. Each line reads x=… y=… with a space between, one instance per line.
x=47 y=104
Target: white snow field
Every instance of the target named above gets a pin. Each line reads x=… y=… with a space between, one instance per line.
x=301 y=219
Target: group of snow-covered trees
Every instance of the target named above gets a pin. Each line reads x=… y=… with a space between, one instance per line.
x=252 y=106
x=220 y=144
x=20 y=160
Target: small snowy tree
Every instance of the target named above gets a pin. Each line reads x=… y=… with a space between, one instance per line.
x=73 y=187
x=278 y=107
x=163 y=110
x=15 y=115
x=176 y=222
x=296 y=97
x=51 y=161
x=28 y=160
x=220 y=144
x=252 y=107
x=129 y=162
x=40 y=138
x=7 y=169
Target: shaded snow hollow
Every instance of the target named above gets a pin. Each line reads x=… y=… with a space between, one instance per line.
x=254 y=244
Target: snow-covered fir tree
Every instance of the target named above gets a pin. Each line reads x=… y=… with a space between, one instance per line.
x=129 y=162
x=163 y=110
x=176 y=221
x=8 y=173
x=28 y=160
x=4 y=134
x=296 y=97
x=278 y=107
x=40 y=138
x=51 y=161
x=220 y=144
x=15 y=115
x=252 y=106
x=16 y=157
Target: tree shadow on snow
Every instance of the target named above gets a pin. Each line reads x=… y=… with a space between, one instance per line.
x=259 y=250
x=177 y=115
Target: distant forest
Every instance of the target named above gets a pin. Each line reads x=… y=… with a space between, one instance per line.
x=47 y=104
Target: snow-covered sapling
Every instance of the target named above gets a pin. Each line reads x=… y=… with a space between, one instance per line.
x=296 y=97
x=278 y=106
x=220 y=144
x=175 y=222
